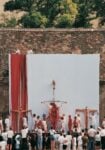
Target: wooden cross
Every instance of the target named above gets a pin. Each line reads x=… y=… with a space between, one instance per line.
x=20 y=113
x=86 y=112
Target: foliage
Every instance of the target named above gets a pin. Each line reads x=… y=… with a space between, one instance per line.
x=100 y=10
x=64 y=21
x=59 y=13
x=18 y=4
x=67 y=15
x=10 y=5
x=46 y=12
x=85 y=13
x=33 y=20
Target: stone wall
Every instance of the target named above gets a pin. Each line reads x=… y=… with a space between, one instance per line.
x=74 y=41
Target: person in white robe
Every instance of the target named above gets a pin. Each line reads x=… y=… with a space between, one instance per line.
x=25 y=121
x=7 y=123
x=93 y=120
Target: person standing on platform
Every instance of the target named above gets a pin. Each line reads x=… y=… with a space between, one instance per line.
x=34 y=120
x=75 y=123
x=93 y=120
x=7 y=123
x=44 y=123
x=25 y=121
x=69 y=123
x=79 y=123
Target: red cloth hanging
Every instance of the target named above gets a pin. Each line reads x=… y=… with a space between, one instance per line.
x=18 y=88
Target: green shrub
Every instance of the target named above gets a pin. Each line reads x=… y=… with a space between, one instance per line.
x=64 y=21
x=33 y=20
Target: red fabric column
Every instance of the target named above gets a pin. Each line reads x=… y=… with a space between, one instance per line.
x=24 y=82
x=18 y=88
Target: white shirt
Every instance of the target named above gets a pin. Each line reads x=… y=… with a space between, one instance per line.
x=91 y=132
x=2 y=145
x=74 y=141
x=103 y=123
x=25 y=123
x=65 y=141
x=80 y=140
x=97 y=137
x=93 y=120
x=10 y=133
x=60 y=139
x=5 y=136
x=102 y=132
x=52 y=131
x=7 y=122
x=69 y=137
x=24 y=133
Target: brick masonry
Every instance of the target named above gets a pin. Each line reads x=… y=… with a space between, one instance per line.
x=65 y=41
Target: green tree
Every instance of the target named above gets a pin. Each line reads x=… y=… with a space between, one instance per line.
x=24 y=5
x=100 y=10
x=33 y=20
x=86 y=12
x=59 y=11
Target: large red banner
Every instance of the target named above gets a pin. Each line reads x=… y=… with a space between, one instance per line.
x=18 y=89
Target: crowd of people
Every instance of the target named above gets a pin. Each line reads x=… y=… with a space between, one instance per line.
x=42 y=137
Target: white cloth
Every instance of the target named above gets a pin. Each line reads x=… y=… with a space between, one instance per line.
x=74 y=143
x=91 y=132
x=79 y=140
x=102 y=132
x=2 y=145
x=93 y=120
x=1 y=125
x=69 y=137
x=97 y=137
x=5 y=136
x=52 y=131
x=24 y=132
x=25 y=122
x=65 y=141
x=103 y=123
x=7 y=123
x=10 y=133
x=60 y=141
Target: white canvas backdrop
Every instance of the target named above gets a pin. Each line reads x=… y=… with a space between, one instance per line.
x=76 y=77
